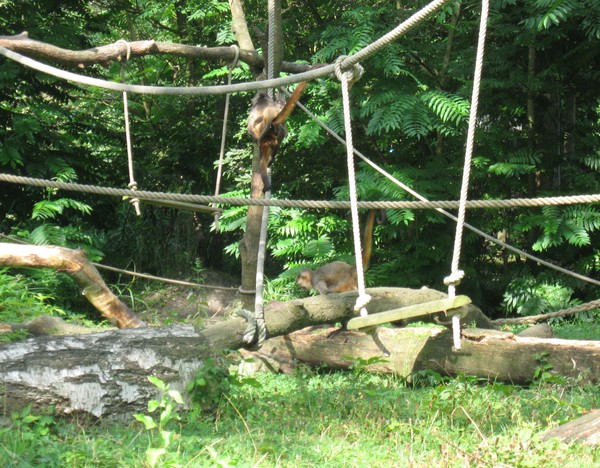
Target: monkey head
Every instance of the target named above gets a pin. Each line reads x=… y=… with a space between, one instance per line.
x=304 y=279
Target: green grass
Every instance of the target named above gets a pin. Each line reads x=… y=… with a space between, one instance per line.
x=330 y=420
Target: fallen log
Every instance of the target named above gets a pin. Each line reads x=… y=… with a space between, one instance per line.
x=585 y=430
x=105 y=374
x=490 y=354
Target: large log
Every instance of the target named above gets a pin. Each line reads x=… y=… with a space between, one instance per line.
x=105 y=374
x=491 y=354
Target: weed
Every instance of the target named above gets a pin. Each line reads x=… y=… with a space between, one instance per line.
x=169 y=405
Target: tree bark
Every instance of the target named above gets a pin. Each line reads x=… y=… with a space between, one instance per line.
x=105 y=374
x=76 y=264
x=491 y=354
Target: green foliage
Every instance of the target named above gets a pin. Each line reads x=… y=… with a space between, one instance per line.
x=211 y=382
x=23 y=300
x=168 y=412
x=527 y=295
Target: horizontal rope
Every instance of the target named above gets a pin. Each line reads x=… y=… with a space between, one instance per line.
x=317 y=204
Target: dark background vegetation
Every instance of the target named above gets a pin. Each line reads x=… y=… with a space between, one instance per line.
x=537 y=136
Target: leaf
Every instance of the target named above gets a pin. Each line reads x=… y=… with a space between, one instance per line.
x=176 y=396
x=157 y=382
x=146 y=420
x=153 y=405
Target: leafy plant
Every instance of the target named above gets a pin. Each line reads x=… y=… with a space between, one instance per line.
x=211 y=382
x=528 y=296
x=168 y=408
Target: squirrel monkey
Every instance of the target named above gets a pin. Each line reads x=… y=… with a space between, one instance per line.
x=266 y=125
x=339 y=276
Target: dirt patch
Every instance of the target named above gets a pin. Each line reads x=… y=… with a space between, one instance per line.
x=198 y=305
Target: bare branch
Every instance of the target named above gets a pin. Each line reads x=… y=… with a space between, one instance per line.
x=116 y=51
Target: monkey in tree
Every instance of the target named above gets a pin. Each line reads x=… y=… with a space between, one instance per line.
x=266 y=125
x=339 y=276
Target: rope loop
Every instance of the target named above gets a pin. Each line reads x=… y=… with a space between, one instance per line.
x=353 y=74
x=236 y=59
x=250 y=331
x=127 y=48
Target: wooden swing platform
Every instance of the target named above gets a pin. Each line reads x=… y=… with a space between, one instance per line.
x=416 y=310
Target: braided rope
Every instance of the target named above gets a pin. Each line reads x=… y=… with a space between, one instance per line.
x=346 y=77
x=456 y=275
x=230 y=69
x=313 y=74
x=259 y=313
x=559 y=313
x=132 y=183
x=313 y=204
x=250 y=332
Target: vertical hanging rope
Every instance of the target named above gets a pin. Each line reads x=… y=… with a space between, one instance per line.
x=262 y=244
x=347 y=78
x=132 y=183
x=230 y=68
x=456 y=275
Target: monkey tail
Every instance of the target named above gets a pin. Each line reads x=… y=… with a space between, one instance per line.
x=368 y=239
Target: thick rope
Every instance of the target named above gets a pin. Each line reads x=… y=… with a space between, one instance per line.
x=314 y=204
x=542 y=317
x=345 y=78
x=272 y=29
x=313 y=74
x=132 y=183
x=230 y=69
x=259 y=313
x=456 y=275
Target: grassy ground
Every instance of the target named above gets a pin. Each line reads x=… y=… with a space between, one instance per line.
x=328 y=419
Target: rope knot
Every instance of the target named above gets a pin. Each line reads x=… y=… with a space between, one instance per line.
x=454 y=278
x=353 y=73
x=361 y=301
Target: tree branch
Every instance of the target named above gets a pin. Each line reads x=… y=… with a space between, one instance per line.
x=116 y=51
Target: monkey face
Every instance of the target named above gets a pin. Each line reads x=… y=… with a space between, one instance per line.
x=304 y=279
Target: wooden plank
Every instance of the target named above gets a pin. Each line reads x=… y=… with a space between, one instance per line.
x=410 y=311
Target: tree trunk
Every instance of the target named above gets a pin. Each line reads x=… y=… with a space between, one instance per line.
x=585 y=429
x=105 y=374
